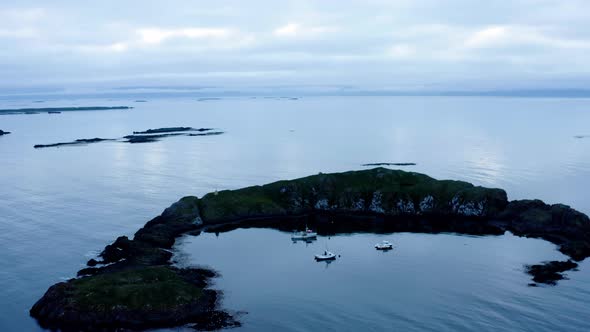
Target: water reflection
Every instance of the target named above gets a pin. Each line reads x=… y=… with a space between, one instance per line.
x=438 y=282
x=80 y=199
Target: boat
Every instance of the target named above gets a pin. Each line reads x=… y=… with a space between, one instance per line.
x=308 y=234
x=384 y=245
x=326 y=256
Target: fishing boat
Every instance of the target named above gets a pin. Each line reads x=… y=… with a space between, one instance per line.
x=326 y=256
x=308 y=234
x=384 y=245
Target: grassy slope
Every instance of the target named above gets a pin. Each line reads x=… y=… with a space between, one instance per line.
x=341 y=190
x=152 y=287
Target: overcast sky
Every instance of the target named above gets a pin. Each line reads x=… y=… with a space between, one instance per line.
x=405 y=44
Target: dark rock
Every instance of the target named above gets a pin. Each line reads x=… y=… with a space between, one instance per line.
x=390 y=164
x=3 y=132
x=550 y=272
x=556 y=223
x=211 y=133
x=376 y=191
x=82 y=141
x=164 y=130
x=143 y=138
x=88 y=271
x=214 y=321
x=92 y=262
x=179 y=218
x=137 y=299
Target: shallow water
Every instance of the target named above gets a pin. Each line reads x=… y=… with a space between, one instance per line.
x=429 y=282
x=58 y=206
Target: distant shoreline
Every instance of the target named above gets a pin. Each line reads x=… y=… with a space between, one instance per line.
x=61 y=109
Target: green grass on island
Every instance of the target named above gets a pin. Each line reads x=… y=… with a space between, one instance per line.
x=145 y=288
x=343 y=191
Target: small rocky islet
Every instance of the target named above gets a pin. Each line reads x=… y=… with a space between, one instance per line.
x=147 y=136
x=375 y=200
x=388 y=164
x=2 y=132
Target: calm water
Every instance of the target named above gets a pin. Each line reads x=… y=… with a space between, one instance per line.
x=427 y=283
x=59 y=206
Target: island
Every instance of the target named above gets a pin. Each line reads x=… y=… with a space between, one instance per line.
x=170 y=130
x=124 y=288
x=2 y=132
x=147 y=136
x=389 y=164
x=56 y=110
x=81 y=141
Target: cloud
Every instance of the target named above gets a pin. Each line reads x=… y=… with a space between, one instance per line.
x=118 y=47
x=19 y=14
x=298 y=30
x=18 y=33
x=378 y=42
x=402 y=51
x=506 y=36
x=159 y=35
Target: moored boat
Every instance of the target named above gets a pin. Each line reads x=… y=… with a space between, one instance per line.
x=384 y=245
x=326 y=256
x=305 y=235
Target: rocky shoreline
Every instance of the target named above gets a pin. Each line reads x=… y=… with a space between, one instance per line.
x=378 y=199
x=2 y=132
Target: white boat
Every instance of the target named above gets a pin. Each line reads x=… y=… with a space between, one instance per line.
x=384 y=245
x=326 y=256
x=308 y=234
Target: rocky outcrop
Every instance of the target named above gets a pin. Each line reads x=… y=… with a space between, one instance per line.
x=377 y=199
x=3 y=132
x=557 y=223
x=133 y=286
x=148 y=136
x=389 y=164
x=170 y=130
x=82 y=141
x=135 y=299
x=549 y=272
x=377 y=191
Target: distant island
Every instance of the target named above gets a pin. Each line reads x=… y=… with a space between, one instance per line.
x=147 y=136
x=134 y=286
x=389 y=164
x=56 y=110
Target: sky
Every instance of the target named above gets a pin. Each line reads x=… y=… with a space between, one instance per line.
x=345 y=44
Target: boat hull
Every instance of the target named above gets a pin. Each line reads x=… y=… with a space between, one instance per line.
x=325 y=258
x=309 y=236
x=384 y=247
